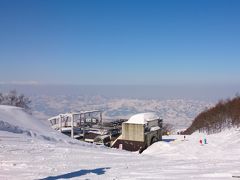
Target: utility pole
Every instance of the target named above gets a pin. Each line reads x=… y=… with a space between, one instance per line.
x=72 y=132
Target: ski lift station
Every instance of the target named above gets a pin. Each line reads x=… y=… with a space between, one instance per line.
x=134 y=134
x=75 y=124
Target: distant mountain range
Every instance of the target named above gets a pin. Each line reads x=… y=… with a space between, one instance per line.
x=118 y=102
x=179 y=112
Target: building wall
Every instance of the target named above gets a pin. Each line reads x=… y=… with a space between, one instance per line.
x=129 y=145
x=153 y=134
x=134 y=138
x=133 y=132
x=153 y=123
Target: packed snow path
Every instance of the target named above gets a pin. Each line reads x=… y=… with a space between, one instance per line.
x=24 y=156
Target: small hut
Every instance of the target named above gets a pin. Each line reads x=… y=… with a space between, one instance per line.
x=139 y=132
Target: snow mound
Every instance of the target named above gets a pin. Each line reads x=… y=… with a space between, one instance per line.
x=15 y=120
x=143 y=118
x=225 y=143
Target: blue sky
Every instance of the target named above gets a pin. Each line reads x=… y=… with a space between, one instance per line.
x=120 y=42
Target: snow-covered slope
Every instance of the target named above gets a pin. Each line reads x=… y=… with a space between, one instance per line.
x=24 y=156
x=15 y=120
x=219 y=158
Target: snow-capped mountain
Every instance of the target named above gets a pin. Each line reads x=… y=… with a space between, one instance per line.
x=178 y=112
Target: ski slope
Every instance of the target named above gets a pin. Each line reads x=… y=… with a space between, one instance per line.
x=30 y=149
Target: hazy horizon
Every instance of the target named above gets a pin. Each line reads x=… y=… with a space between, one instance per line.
x=206 y=93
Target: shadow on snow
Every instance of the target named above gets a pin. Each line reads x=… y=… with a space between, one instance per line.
x=168 y=140
x=98 y=171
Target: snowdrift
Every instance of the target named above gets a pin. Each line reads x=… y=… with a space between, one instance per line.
x=15 y=120
x=225 y=144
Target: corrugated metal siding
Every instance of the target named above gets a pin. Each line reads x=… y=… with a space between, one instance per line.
x=133 y=132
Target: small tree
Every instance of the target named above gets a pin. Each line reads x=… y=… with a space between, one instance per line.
x=23 y=102
x=1 y=98
x=13 y=99
x=167 y=128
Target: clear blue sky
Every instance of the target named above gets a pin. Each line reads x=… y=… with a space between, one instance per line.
x=120 y=42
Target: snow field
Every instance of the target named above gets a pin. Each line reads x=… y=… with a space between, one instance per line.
x=46 y=154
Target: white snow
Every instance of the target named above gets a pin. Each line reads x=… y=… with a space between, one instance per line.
x=155 y=128
x=142 y=118
x=25 y=156
x=15 y=120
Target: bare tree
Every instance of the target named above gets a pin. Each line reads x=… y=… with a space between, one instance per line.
x=23 y=102
x=225 y=114
x=167 y=128
x=1 y=98
x=13 y=99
